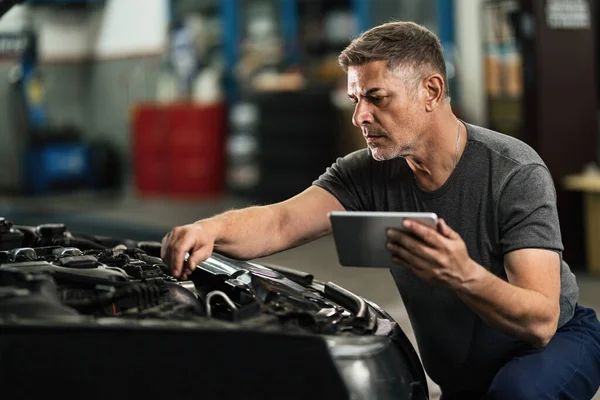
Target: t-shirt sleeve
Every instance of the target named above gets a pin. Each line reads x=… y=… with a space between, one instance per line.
x=348 y=179
x=527 y=212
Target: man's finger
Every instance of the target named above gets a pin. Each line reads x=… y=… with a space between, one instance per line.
x=422 y=232
x=445 y=229
x=199 y=255
x=169 y=242
x=405 y=257
x=185 y=273
x=411 y=250
x=404 y=239
x=178 y=249
x=165 y=246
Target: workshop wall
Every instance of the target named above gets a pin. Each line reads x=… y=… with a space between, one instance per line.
x=94 y=62
x=115 y=86
x=119 y=63
x=66 y=105
x=112 y=29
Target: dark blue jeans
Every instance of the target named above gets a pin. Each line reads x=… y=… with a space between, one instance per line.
x=567 y=368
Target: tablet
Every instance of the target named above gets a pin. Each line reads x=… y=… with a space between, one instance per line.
x=360 y=238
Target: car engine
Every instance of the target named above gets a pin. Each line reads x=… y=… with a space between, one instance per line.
x=70 y=300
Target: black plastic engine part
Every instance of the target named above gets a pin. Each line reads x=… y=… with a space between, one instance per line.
x=10 y=237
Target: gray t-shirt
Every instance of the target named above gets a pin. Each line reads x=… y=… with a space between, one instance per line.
x=499 y=198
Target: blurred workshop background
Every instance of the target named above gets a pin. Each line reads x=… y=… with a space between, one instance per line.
x=128 y=117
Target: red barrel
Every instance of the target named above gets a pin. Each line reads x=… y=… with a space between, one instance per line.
x=179 y=150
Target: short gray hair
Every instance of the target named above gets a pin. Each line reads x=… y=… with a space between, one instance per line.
x=400 y=43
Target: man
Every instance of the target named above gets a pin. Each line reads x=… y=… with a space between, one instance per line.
x=492 y=303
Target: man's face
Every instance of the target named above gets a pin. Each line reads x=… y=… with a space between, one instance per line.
x=388 y=113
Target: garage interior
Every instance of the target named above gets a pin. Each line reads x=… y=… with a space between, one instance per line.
x=126 y=124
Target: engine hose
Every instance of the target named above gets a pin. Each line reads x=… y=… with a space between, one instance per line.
x=222 y=295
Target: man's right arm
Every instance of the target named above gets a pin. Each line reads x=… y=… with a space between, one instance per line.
x=251 y=232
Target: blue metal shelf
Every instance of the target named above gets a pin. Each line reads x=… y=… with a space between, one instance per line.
x=362 y=12
x=289 y=22
x=445 y=17
x=445 y=12
x=231 y=40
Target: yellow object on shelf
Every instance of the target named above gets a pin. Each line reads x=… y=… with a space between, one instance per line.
x=589 y=184
x=583 y=182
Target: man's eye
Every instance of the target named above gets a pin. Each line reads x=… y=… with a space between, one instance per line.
x=369 y=99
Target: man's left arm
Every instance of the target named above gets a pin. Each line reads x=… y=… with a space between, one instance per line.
x=525 y=306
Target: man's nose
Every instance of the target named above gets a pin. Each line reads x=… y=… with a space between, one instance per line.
x=362 y=114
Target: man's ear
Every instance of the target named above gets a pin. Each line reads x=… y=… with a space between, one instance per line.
x=434 y=87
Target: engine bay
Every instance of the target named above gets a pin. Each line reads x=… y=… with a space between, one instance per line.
x=46 y=272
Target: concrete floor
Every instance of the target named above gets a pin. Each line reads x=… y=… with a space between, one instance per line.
x=150 y=219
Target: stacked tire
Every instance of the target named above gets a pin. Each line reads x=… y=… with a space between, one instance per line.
x=280 y=143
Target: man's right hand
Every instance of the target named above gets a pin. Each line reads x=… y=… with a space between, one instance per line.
x=193 y=239
x=251 y=232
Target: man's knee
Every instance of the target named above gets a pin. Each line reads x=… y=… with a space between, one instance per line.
x=513 y=384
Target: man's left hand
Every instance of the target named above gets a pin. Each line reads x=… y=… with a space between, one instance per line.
x=437 y=256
